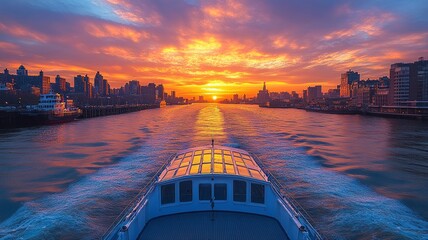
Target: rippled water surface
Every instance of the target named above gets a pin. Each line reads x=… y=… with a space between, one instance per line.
x=358 y=177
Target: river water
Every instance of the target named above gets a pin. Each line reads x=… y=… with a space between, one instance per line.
x=358 y=177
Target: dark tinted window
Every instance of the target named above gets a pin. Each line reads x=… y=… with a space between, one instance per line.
x=257 y=193
x=205 y=191
x=239 y=191
x=186 y=191
x=168 y=193
x=220 y=191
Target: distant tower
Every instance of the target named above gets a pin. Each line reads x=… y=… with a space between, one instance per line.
x=22 y=71
x=264 y=86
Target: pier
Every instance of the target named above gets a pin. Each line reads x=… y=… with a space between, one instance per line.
x=98 y=111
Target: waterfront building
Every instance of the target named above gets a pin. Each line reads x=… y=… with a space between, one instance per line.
x=235 y=98
x=381 y=96
x=134 y=87
x=419 y=81
x=149 y=93
x=22 y=81
x=347 y=79
x=408 y=82
x=314 y=93
x=83 y=85
x=333 y=93
x=263 y=95
x=160 y=92
x=60 y=84
x=99 y=84
x=106 y=88
x=400 y=84
x=21 y=71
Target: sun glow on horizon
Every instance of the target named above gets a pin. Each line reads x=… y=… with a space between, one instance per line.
x=214 y=97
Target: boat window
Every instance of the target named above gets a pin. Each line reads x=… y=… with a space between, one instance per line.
x=228 y=159
x=207 y=158
x=186 y=191
x=239 y=191
x=230 y=169
x=220 y=191
x=243 y=171
x=257 y=193
x=218 y=158
x=168 y=193
x=205 y=191
x=256 y=174
x=206 y=168
x=218 y=168
x=181 y=171
x=194 y=169
x=196 y=159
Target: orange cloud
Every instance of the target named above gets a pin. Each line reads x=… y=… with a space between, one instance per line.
x=23 y=33
x=115 y=31
x=227 y=9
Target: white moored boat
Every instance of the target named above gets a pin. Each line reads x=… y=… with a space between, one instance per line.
x=212 y=192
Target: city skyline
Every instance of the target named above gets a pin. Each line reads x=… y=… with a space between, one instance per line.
x=212 y=48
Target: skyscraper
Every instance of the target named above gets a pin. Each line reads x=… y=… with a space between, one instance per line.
x=160 y=92
x=408 y=82
x=346 y=82
x=400 y=84
x=21 y=71
x=263 y=95
x=99 y=84
x=314 y=93
x=60 y=84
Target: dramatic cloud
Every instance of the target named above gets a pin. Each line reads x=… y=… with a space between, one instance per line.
x=217 y=47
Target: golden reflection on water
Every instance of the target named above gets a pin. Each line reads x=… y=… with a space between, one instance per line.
x=209 y=124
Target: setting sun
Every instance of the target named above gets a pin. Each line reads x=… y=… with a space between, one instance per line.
x=214 y=98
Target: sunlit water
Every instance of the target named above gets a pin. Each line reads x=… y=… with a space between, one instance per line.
x=358 y=177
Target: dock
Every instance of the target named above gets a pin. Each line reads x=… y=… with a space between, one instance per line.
x=99 y=111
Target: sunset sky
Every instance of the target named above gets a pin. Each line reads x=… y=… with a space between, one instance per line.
x=212 y=47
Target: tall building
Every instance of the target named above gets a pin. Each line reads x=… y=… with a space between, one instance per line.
x=106 y=88
x=149 y=93
x=408 y=82
x=134 y=87
x=82 y=84
x=23 y=82
x=235 y=98
x=419 y=81
x=99 y=84
x=44 y=82
x=314 y=93
x=305 y=95
x=21 y=71
x=60 y=84
x=263 y=95
x=400 y=84
x=79 y=84
x=346 y=81
x=160 y=92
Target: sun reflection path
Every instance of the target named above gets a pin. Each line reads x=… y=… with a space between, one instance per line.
x=209 y=124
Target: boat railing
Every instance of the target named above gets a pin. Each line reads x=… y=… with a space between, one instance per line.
x=130 y=209
x=288 y=201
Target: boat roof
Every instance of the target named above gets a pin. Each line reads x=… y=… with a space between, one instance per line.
x=212 y=160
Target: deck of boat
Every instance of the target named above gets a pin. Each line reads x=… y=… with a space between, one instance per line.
x=220 y=225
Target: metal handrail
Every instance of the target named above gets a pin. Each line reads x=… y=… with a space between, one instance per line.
x=288 y=200
x=136 y=200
